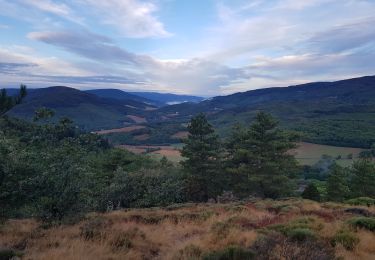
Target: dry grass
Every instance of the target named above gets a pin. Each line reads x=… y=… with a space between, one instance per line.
x=179 y=232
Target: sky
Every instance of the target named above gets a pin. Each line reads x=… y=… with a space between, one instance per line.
x=201 y=47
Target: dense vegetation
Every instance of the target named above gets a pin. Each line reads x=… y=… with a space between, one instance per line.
x=55 y=172
x=337 y=113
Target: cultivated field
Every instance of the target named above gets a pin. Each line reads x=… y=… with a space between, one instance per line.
x=257 y=229
x=127 y=129
x=306 y=153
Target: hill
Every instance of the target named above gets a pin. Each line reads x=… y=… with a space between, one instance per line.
x=168 y=98
x=336 y=113
x=123 y=96
x=87 y=110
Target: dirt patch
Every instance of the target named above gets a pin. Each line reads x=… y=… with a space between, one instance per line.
x=142 y=137
x=137 y=119
x=180 y=135
x=168 y=152
x=127 y=129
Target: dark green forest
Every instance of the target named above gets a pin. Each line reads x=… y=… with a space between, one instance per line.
x=56 y=172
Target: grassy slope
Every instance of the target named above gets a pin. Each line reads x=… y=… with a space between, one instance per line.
x=185 y=231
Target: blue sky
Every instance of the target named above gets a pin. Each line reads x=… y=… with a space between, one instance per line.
x=205 y=47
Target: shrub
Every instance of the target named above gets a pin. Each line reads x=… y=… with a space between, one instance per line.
x=230 y=253
x=361 y=201
x=276 y=246
x=311 y=192
x=190 y=252
x=300 y=234
x=7 y=253
x=226 y=197
x=346 y=239
x=287 y=228
x=363 y=222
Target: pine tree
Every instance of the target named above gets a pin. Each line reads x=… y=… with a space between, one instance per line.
x=7 y=102
x=337 y=184
x=259 y=160
x=311 y=192
x=362 y=183
x=202 y=164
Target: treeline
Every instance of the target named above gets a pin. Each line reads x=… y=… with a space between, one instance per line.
x=7 y=102
x=344 y=183
x=54 y=171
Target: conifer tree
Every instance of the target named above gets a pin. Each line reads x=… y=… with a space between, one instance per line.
x=362 y=183
x=202 y=164
x=337 y=184
x=259 y=159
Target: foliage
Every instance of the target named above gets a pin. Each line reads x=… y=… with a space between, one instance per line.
x=230 y=253
x=145 y=188
x=259 y=161
x=8 y=102
x=361 y=201
x=363 y=179
x=311 y=192
x=363 y=222
x=346 y=238
x=338 y=184
x=203 y=163
x=7 y=253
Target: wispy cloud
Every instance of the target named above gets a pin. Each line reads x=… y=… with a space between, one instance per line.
x=133 y=18
x=243 y=44
x=86 y=44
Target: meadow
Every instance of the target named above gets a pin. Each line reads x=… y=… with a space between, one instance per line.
x=253 y=229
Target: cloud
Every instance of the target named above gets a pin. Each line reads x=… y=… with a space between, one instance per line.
x=88 y=45
x=9 y=67
x=344 y=37
x=133 y=18
x=49 y=6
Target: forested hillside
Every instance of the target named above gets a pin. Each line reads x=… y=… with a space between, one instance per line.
x=338 y=113
x=88 y=111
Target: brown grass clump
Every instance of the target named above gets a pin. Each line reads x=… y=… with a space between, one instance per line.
x=279 y=229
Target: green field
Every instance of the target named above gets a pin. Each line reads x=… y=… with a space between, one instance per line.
x=306 y=153
x=309 y=154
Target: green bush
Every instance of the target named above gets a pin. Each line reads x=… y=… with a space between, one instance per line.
x=311 y=192
x=300 y=234
x=346 y=239
x=230 y=253
x=363 y=222
x=7 y=253
x=361 y=201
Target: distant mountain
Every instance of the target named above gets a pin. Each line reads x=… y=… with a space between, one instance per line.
x=87 y=110
x=167 y=98
x=337 y=113
x=122 y=95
